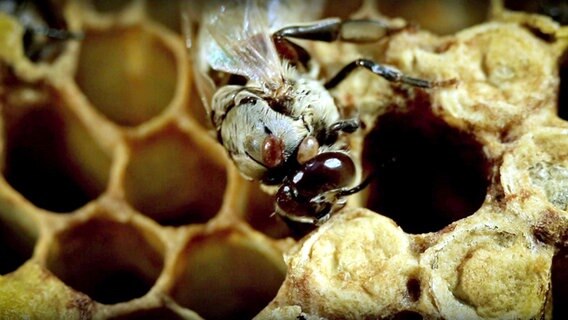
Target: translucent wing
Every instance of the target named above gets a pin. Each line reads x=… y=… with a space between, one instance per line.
x=205 y=85
x=235 y=37
x=242 y=41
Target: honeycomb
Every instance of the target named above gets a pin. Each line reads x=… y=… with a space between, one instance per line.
x=116 y=202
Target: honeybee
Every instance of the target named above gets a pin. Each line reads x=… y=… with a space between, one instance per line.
x=276 y=119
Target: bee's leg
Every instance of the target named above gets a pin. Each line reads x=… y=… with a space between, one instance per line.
x=345 y=125
x=387 y=72
x=353 y=30
x=337 y=195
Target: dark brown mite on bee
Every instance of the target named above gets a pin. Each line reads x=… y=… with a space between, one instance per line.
x=317 y=187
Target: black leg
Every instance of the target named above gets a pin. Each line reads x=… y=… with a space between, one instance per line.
x=389 y=73
x=333 y=196
x=347 y=125
x=356 y=30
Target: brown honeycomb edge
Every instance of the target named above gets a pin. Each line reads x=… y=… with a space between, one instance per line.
x=147 y=243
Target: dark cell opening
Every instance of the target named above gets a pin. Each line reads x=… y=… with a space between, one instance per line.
x=413 y=288
x=171 y=180
x=38 y=166
x=556 y=9
x=161 y=313
x=109 y=261
x=560 y=285
x=16 y=244
x=117 y=286
x=407 y=315
x=428 y=174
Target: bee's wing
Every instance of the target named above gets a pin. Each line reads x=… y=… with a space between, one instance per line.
x=194 y=43
x=236 y=37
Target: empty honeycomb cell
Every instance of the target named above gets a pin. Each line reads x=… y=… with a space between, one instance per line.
x=128 y=74
x=173 y=178
x=110 y=261
x=440 y=16
x=51 y=160
x=18 y=237
x=427 y=174
x=228 y=274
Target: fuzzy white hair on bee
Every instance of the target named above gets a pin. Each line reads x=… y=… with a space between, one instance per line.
x=277 y=121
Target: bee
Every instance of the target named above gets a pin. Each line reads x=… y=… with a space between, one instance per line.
x=45 y=27
x=276 y=119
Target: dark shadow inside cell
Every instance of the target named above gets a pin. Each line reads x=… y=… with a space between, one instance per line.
x=117 y=286
x=522 y=5
x=259 y=209
x=413 y=288
x=555 y=9
x=427 y=173
x=16 y=246
x=560 y=285
x=161 y=313
x=171 y=180
x=37 y=162
x=109 y=261
x=407 y=315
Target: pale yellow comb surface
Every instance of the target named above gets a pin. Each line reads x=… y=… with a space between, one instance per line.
x=116 y=202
